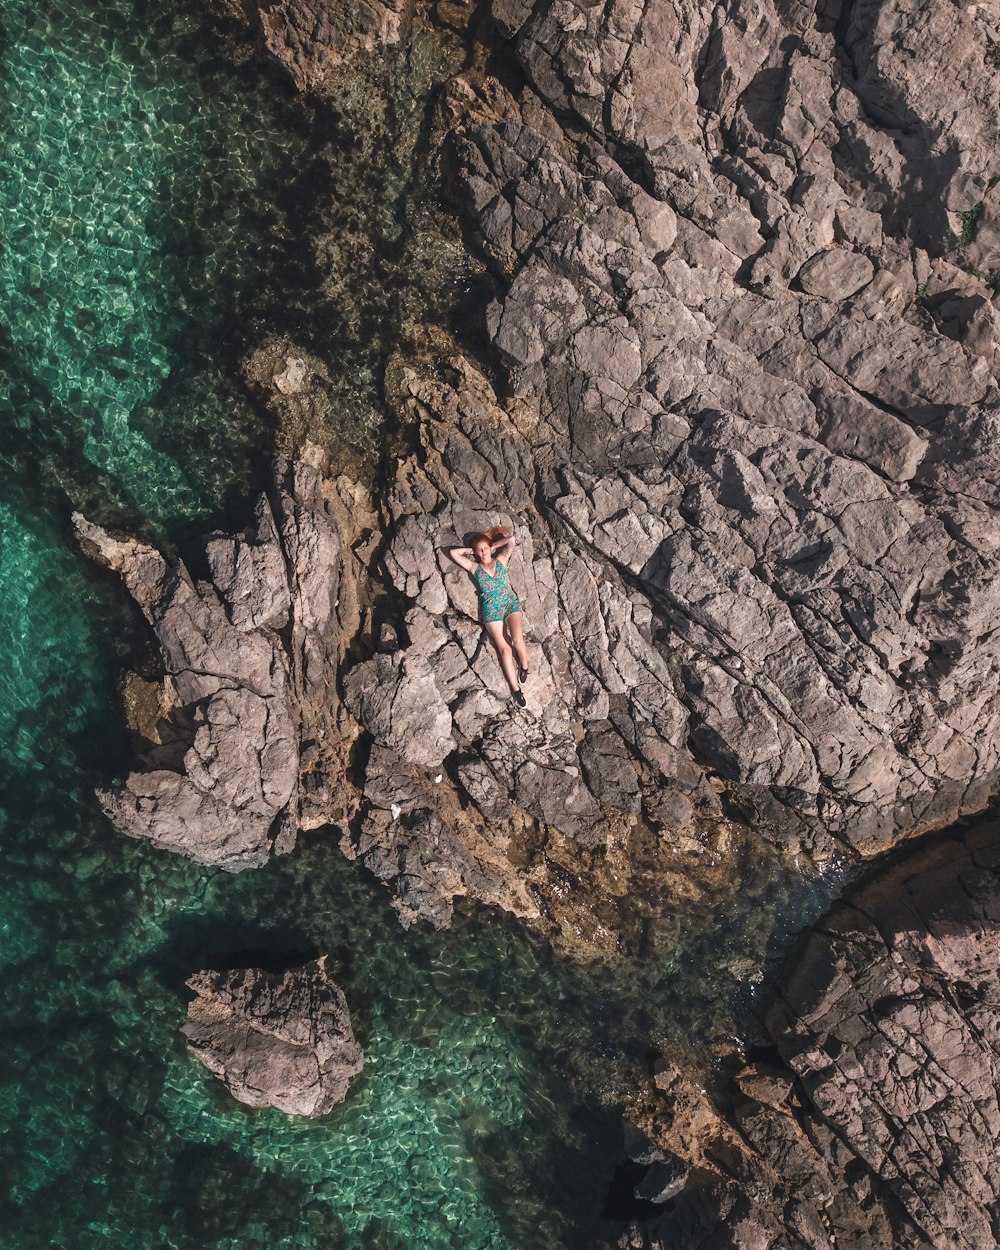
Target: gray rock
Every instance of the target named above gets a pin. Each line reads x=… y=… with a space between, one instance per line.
x=854 y=427
x=282 y=1041
x=752 y=463
x=890 y=1022
x=395 y=697
x=249 y=573
x=836 y=274
x=609 y=772
x=663 y=1181
x=747 y=442
x=241 y=697
x=230 y=689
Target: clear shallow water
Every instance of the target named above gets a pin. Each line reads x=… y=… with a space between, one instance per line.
x=140 y=192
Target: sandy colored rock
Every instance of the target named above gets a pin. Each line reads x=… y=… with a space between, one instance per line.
x=312 y=38
x=836 y=274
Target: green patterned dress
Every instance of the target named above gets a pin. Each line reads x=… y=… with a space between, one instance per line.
x=496 y=598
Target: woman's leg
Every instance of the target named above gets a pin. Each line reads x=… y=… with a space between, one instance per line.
x=515 y=631
x=495 y=631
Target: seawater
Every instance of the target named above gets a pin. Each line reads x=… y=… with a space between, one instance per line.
x=141 y=185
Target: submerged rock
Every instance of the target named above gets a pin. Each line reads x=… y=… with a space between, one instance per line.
x=281 y=1041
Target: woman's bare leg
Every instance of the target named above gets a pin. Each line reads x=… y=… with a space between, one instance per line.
x=495 y=629
x=515 y=632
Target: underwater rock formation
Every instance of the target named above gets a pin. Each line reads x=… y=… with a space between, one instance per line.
x=309 y=38
x=275 y=1041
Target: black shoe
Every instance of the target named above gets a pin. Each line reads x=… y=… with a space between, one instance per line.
x=519 y=699
x=522 y=675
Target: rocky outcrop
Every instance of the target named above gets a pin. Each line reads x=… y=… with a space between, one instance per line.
x=418 y=840
x=720 y=249
x=740 y=407
x=281 y=1041
x=743 y=435
x=873 y=1127
x=891 y=1023
x=240 y=753
x=310 y=38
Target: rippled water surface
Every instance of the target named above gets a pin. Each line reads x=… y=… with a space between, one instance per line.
x=140 y=191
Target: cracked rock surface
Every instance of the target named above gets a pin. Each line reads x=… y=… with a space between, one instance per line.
x=723 y=237
x=281 y=1041
x=873 y=1127
x=742 y=417
x=244 y=723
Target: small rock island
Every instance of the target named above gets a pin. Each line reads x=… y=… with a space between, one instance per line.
x=282 y=1041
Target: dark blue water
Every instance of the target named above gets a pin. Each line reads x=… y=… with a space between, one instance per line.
x=141 y=192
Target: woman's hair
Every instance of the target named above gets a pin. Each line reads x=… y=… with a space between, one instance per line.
x=491 y=535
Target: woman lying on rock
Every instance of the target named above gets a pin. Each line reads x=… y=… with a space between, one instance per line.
x=499 y=607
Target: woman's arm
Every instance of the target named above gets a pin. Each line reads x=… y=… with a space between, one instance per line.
x=463 y=558
x=503 y=548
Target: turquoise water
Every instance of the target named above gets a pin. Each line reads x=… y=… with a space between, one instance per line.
x=140 y=191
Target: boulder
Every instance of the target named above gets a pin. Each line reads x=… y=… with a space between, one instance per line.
x=836 y=274
x=275 y=1040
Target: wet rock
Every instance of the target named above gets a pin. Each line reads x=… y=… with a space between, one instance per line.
x=312 y=38
x=282 y=1041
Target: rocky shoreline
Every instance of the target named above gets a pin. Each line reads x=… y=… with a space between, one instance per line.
x=871 y=1123
x=738 y=399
